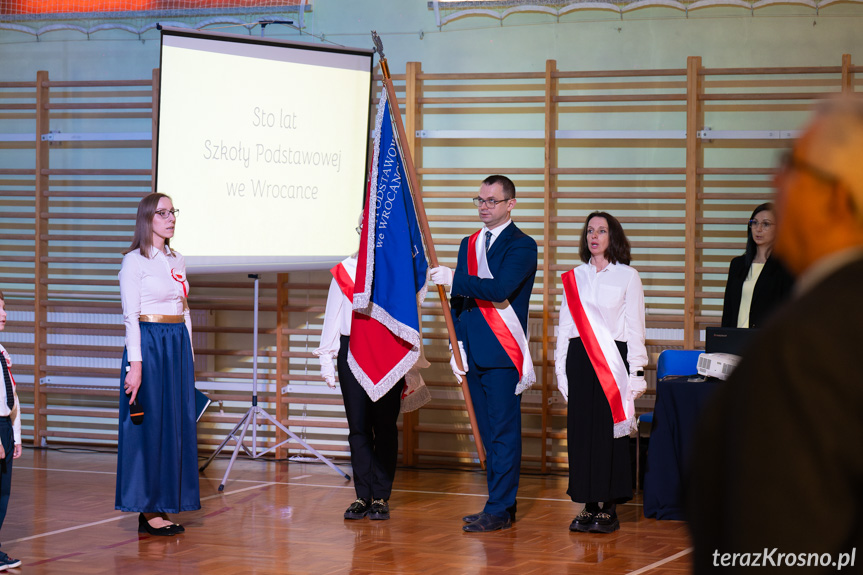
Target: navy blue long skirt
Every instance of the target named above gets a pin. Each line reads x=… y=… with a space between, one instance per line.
x=157 y=461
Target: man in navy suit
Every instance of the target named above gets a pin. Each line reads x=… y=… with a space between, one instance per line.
x=490 y=293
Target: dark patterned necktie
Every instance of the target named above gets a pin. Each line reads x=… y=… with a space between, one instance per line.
x=487 y=240
x=10 y=396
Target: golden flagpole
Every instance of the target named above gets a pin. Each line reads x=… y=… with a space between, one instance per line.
x=424 y=226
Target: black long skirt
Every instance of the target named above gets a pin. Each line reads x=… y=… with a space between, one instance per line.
x=599 y=465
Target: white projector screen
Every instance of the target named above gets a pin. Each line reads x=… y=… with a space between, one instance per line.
x=262 y=146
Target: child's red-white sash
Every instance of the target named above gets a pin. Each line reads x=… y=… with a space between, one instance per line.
x=415 y=394
x=503 y=321
x=599 y=344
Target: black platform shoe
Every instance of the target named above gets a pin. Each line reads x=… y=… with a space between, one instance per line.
x=380 y=509
x=605 y=523
x=358 y=509
x=582 y=521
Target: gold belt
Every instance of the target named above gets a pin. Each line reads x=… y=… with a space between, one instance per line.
x=161 y=318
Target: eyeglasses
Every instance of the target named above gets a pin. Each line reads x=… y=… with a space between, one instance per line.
x=165 y=213
x=789 y=162
x=491 y=202
x=762 y=225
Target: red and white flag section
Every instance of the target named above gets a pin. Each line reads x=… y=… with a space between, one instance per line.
x=391 y=272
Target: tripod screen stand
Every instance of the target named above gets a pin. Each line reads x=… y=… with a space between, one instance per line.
x=252 y=417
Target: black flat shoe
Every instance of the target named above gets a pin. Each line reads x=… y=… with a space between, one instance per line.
x=582 y=521
x=145 y=527
x=177 y=527
x=488 y=522
x=474 y=516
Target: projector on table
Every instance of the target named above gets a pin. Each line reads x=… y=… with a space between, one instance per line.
x=718 y=365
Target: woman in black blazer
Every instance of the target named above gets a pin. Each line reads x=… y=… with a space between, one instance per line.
x=756 y=280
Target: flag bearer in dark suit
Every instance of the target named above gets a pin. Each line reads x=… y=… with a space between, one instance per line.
x=778 y=464
x=490 y=293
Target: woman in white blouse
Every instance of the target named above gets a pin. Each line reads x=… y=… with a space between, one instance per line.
x=157 y=458
x=599 y=362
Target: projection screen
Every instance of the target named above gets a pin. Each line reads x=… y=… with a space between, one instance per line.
x=262 y=145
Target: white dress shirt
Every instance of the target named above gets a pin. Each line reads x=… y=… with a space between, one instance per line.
x=15 y=412
x=152 y=286
x=480 y=244
x=620 y=298
x=338 y=314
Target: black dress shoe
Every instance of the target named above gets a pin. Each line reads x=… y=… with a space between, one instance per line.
x=474 y=516
x=380 y=509
x=582 y=521
x=488 y=522
x=605 y=523
x=358 y=509
x=145 y=527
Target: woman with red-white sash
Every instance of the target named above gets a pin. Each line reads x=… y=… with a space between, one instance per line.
x=599 y=362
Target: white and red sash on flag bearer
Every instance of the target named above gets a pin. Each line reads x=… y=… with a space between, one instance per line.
x=344 y=274
x=415 y=394
x=502 y=320
x=600 y=346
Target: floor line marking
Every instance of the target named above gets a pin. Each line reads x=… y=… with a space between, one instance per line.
x=661 y=562
x=66 y=470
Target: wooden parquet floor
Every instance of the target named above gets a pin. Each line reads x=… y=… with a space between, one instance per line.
x=275 y=518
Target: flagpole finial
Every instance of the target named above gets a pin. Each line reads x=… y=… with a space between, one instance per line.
x=379 y=45
x=379 y=48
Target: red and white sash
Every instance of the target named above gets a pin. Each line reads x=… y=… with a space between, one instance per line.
x=502 y=320
x=344 y=274
x=600 y=346
x=415 y=394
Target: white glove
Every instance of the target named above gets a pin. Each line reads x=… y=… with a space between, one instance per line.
x=442 y=276
x=563 y=386
x=637 y=386
x=328 y=371
x=456 y=371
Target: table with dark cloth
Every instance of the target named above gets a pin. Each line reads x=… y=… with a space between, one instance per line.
x=679 y=402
